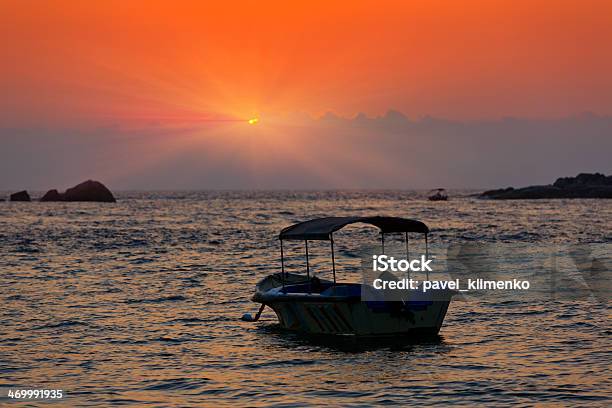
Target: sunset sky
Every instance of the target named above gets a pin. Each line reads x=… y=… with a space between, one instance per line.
x=146 y=81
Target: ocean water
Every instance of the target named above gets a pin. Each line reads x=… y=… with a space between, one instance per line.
x=139 y=303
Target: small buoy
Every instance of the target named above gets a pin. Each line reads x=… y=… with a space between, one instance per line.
x=248 y=318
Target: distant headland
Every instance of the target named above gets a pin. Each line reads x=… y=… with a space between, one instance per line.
x=89 y=190
x=584 y=185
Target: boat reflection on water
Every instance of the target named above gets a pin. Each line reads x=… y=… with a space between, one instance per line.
x=276 y=336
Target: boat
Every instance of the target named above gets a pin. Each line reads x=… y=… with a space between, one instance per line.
x=308 y=304
x=439 y=194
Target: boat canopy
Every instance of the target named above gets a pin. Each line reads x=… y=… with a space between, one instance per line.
x=322 y=228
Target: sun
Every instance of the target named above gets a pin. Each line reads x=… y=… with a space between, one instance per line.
x=253 y=121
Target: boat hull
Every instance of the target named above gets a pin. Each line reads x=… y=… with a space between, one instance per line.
x=361 y=318
x=350 y=308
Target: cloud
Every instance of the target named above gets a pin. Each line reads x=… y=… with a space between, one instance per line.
x=300 y=152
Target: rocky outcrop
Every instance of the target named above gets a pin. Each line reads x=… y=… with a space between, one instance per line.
x=584 y=185
x=583 y=179
x=20 y=196
x=52 y=195
x=87 y=191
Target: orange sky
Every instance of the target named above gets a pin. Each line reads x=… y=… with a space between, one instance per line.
x=151 y=94
x=119 y=61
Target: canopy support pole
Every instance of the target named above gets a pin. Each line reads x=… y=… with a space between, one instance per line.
x=308 y=268
x=331 y=240
x=282 y=265
x=407 y=252
x=426 y=254
x=307 y=261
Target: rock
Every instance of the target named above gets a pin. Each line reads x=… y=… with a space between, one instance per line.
x=20 y=196
x=583 y=179
x=584 y=185
x=52 y=195
x=89 y=191
x=491 y=193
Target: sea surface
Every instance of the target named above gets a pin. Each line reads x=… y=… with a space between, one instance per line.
x=139 y=303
